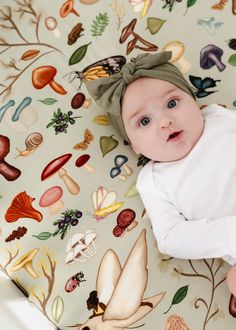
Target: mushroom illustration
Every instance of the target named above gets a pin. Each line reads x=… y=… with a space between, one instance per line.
x=9 y=172
x=79 y=100
x=120 y=161
x=56 y=165
x=116 y=171
x=211 y=55
x=21 y=207
x=24 y=104
x=27 y=118
x=177 y=48
x=51 y=198
x=125 y=220
x=81 y=247
x=209 y=24
x=5 y=107
x=26 y=262
x=67 y=8
x=82 y=161
x=127 y=30
x=44 y=75
x=51 y=25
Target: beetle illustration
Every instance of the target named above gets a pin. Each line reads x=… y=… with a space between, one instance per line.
x=74 y=281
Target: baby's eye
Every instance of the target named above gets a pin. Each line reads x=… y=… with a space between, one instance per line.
x=172 y=104
x=144 y=121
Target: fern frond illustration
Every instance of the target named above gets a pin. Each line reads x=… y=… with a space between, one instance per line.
x=99 y=24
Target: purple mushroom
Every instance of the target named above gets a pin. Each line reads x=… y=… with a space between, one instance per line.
x=210 y=56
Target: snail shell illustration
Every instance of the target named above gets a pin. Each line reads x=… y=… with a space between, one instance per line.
x=32 y=142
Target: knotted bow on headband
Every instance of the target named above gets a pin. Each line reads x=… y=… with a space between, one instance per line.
x=109 y=92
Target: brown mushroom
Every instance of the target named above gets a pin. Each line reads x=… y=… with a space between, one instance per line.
x=83 y=161
x=127 y=30
x=67 y=8
x=56 y=165
x=44 y=75
x=125 y=220
x=8 y=171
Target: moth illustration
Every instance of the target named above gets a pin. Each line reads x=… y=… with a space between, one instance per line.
x=100 y=69
x=104 y=203
x=202 y=85
x=120 y=290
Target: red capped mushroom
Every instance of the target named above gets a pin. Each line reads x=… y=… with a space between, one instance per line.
x=56 y=166
x=9 y=172
x=83 y=161
x=125 y=220
x=43 y=76
x=51 y=198
x=21 y=207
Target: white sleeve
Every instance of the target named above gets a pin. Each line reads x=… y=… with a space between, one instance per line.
x=181 y=238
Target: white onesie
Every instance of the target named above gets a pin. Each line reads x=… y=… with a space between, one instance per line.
x=192 y=202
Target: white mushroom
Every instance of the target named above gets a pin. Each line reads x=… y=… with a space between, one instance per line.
x=177 y=48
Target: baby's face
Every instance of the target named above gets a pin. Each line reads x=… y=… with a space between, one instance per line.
x=162 y=121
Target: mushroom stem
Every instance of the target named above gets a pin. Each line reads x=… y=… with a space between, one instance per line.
x=218 y=63
x=132 y=225
x=56 y=207
x=128 y=170
x=185 y=66
x=88 y=168
x=57 y=87
x=9 y=172
x=72 y=186
x=122 y=177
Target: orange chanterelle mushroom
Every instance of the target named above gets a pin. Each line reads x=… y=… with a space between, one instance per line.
x=21 y=207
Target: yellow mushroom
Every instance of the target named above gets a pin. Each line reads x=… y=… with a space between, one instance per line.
x=177 y=48
x=26 y=262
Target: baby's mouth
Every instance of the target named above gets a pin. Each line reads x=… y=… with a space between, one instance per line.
x=175 y=136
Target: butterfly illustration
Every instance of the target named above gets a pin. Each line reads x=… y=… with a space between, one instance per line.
x=104 y=203
x=88 y=138
x=202 y=85
x=100 y=69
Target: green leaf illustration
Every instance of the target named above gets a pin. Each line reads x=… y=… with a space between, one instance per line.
x=43 y=236
x=232 y=60
x=132 y=190
x=57 y=308
x=190 y=3
x=178 y=297
x=78 y=54
x=99 y=24
x=48 y=101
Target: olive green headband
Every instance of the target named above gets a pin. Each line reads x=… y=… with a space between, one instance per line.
x=109 y=92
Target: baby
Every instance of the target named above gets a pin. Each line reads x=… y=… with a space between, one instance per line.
x=189 y=186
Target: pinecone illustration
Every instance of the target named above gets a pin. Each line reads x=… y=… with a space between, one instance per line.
x=18 y=233
x=176 y=322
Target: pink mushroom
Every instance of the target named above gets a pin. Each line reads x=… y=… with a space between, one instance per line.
x=56 y=166
x=51 y=198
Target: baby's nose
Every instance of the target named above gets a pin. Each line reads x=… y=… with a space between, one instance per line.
x=166 y=122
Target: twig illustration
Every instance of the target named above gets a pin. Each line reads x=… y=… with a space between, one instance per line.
x=50 y=276
x=211 y=271
x=12 y=256
x=8 y=21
